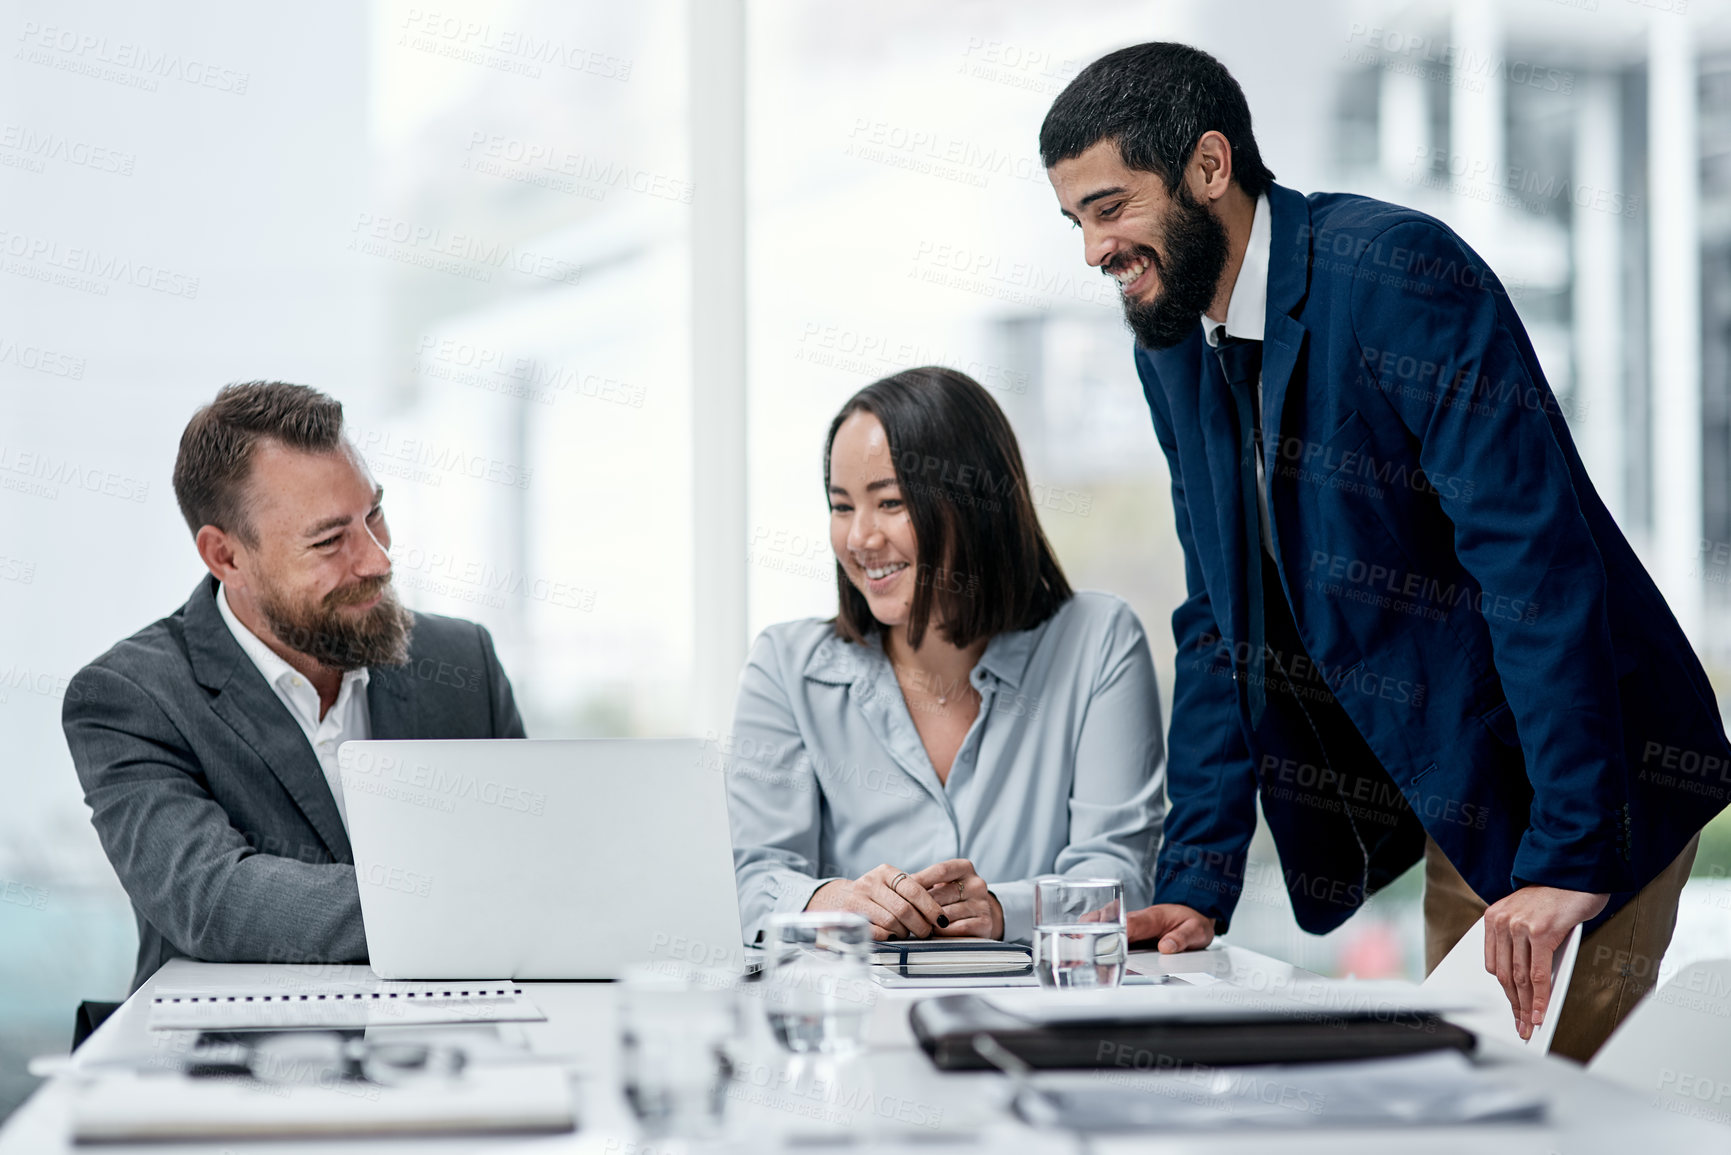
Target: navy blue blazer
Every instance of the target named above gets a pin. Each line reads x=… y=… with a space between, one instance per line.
x=1456 y=580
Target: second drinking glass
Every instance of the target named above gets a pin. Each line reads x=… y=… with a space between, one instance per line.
x=817 y=987
x=1079 y=934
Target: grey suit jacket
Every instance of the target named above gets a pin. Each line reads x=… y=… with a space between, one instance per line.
x=210 y=802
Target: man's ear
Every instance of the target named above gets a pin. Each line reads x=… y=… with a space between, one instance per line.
x=218 y=549
x=1210 y=171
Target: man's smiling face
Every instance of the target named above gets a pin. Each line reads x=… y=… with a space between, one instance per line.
x=1165 y=249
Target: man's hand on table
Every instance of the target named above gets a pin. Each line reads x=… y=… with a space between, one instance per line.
x=1172 y=926
x=1522 y=933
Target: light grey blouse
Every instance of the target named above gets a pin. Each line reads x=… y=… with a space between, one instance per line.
x=1061 y=773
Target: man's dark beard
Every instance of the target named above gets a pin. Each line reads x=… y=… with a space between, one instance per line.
x=324 y=633
x=1195 y=258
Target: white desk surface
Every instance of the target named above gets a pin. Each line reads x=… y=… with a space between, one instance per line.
x=891 y=1097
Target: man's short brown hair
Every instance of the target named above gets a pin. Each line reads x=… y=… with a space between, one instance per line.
x=216 y=449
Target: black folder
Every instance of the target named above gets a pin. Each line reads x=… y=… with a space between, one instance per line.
x=945 y=1027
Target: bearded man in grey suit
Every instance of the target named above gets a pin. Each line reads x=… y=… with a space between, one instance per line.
x=206 y=743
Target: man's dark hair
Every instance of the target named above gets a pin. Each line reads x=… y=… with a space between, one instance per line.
x=215 y=458
x=984 y=564
x=1156 y=101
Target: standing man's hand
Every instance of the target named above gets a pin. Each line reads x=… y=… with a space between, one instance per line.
x=1172 y=926
x=1522 y=933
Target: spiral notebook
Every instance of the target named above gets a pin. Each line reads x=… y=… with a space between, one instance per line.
x=243 y=997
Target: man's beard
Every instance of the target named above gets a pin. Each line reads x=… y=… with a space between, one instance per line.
x=1195 y=257
x=324 y=632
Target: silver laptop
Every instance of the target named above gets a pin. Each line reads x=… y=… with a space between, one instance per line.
x=539 y=859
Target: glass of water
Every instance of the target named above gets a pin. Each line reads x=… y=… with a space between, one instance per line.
x=676 y=1021
x=1079 y=934
x=817 y=987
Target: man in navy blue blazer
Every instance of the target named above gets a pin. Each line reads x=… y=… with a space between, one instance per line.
x=1412 y=628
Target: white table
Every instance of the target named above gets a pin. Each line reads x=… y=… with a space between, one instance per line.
x=892 y=1098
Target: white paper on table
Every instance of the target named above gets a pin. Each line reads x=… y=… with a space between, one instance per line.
x=1462 y=975
x=1223 y=1002
x=1408 y=1091
x=137 y=1106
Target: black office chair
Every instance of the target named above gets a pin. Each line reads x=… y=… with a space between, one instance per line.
x=90 y=1016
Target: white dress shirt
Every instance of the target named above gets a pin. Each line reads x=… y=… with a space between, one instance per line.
x=347 y=719
x=1246 y=317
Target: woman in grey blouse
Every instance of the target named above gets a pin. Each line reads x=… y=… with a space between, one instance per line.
x=965 y=723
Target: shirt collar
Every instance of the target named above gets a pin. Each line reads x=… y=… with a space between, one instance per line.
x=1006 y=656
x=1246 y=311
x=843 y=663
x=276 y=671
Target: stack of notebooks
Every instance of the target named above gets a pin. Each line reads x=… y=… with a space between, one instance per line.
x=951 y=958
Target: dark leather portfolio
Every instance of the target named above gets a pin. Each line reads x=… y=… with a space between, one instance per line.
x=945 y=1027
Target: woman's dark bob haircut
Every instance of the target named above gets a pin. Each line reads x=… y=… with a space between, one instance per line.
x=984 y=564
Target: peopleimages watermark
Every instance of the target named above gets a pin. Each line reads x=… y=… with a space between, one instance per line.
x=1513 y=185
x=1018 y=66
x=415 y=780
x=931 y=152
x=87 y=269
x=23 y=894
x=792 y=552
x=122 y=62
x=26 y=679
x=1227 y=874
x=878 y=354
x=822 y=1097
x=503 y=49
x=1012 y=281
x=1679 y=768
x=1308 y=678
x=37 y=473
x=1421 y=54
x=1350 y=252
x=397 y=878
x=31 y=149
x=1451 y=386
x=40 y=359
x=1315 y=462
x=1713 y=562
x=562 y=170
x=459 y=254
x=1391 y=587
x=452 y=575
x=494 y=370
x=1232 y=1090
x=428 y=461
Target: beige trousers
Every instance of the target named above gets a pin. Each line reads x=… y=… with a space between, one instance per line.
x=1618 y=962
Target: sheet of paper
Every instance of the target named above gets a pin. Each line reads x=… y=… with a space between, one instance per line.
x=1462 y=976
x=1400 y=1092
x=1223 y=1001
x=134 y=1106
